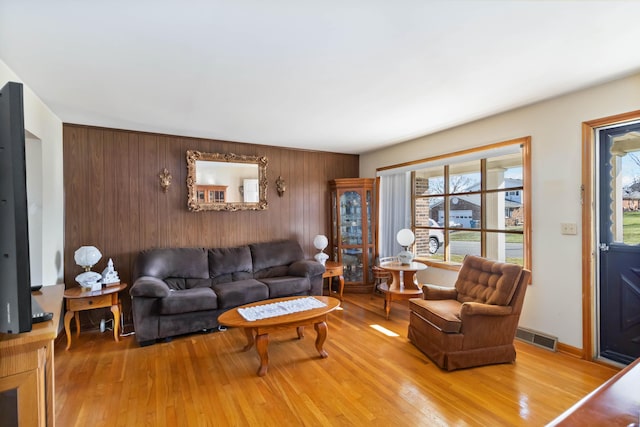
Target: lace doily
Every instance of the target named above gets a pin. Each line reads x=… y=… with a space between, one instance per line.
x=280 y=308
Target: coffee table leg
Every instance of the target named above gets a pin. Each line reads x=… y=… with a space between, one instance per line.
x=321 y=330
x=300 y=330
x=262 y=344
x=249 y=333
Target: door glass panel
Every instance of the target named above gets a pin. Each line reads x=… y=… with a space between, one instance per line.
x=625 y=188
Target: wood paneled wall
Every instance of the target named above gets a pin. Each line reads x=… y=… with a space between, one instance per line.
x=113 y=198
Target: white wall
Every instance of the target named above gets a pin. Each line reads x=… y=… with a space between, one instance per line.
x=553 y=301
x=33 y=157
x=42 y=124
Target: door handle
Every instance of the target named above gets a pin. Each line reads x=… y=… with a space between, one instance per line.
x=604 y=247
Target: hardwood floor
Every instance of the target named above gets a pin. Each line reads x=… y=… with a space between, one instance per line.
x=369 y=378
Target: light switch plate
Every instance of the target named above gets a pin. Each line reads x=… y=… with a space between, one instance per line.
x=568 y=228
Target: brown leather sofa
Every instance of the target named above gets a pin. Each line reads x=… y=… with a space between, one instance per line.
x=475 y=322
x=182 y=290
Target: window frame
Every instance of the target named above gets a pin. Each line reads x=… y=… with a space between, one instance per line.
x=451 y=159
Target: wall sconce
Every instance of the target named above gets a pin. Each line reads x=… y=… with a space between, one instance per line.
x=281 y=186
x=165 y=180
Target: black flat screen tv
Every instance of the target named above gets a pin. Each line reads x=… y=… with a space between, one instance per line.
x=15 y=280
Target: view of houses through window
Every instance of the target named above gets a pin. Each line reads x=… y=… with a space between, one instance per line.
x=472 y=206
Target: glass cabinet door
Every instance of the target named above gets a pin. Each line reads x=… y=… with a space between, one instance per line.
x=368 y=217
x=351 y=218
x=334 y=226
x=353 y=266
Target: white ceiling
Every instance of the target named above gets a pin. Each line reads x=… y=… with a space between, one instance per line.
x=336 y=75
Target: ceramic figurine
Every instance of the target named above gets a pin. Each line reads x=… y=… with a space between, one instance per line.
x=109 y=275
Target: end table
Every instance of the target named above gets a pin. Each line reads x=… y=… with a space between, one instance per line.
x=401 y=288
x=334 y=269
x=78 y=299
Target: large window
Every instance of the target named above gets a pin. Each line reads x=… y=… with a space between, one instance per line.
x=471 y=202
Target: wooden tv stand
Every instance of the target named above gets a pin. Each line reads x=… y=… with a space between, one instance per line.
x=614 y=403
x=26 y=364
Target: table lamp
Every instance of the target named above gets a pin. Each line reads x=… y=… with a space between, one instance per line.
x=320 y=242
x=87 y=257
x=405 y=238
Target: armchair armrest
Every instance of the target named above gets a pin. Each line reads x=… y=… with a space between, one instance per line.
x=479 y=309
x=306 y=268
x=434 y=292
x=149 y=286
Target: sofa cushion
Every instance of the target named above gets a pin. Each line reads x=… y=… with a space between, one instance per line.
x=272 y=259
x=486 y=281
x=172 y=262
x=443 y=314
x=188 y=300
x=230 y=264
x=179 y=283
x=277 y=271
x=287 y=286
x=233 y=294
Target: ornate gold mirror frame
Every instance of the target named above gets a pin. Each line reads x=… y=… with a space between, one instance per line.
x=226 y=182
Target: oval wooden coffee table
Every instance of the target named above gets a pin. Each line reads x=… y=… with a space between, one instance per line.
x=257 y=331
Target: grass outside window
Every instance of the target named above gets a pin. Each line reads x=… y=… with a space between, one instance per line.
x=631 y=227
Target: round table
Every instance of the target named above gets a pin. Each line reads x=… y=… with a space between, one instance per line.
x=80 y=299
x=401 y=288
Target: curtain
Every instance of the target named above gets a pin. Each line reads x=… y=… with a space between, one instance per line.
x=395 y=211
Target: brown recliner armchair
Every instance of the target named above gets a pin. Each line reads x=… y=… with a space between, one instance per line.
x=475 y=322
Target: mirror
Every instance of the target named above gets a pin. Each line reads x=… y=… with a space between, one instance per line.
x=226 y=182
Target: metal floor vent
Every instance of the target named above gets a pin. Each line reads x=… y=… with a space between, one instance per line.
x=537 y=338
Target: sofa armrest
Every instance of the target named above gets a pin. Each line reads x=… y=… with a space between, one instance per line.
x=151 y=287
x=479 y=309
x=434 y=292
x=306 y=268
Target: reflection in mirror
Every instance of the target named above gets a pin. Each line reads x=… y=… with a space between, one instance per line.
x=229 y=182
